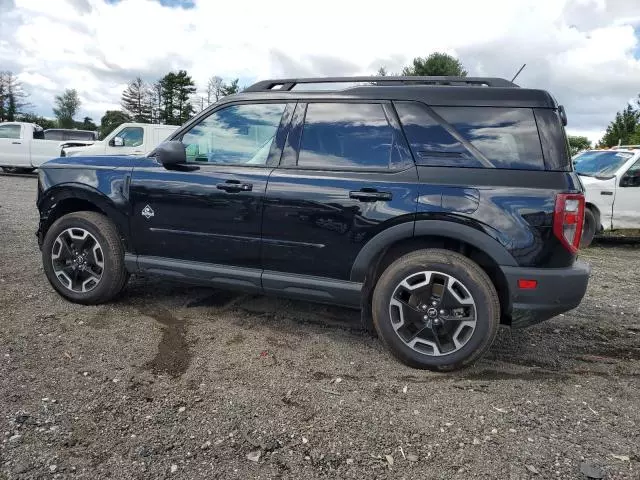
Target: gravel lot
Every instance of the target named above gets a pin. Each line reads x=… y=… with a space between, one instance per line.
x=174 y=381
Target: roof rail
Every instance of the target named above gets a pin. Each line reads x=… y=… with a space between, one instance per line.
x=626 y=147
x=286 y=84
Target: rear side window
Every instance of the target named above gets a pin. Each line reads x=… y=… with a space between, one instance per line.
x=53 y=135
x=347 y=136
x=505 y=138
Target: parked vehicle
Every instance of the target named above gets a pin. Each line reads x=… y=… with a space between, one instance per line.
x=61 y=134
x=127 y=139
x=23 y=146
x=611 y=179
x=440 y=206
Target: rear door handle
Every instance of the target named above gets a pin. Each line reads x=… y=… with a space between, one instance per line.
x=233 y=186
x=370 y=195
x=605 y=192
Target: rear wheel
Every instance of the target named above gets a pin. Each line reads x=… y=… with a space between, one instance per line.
x=589 y=228
x=83 y=258
x=436 y=309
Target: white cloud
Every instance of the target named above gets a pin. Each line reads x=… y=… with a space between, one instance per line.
x=582 y=51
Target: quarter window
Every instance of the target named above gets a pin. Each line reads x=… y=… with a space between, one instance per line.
x=346 y=136
x=9 y=131
x=235 y=135
x=506 y=137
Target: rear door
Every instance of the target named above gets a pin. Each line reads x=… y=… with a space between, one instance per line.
x=626 y=208
x=207 y=213
x=346 y=173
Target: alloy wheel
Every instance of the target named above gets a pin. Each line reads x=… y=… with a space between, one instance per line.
x=433 y=313
x=77 y=259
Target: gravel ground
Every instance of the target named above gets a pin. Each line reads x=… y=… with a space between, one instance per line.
x=174 y=381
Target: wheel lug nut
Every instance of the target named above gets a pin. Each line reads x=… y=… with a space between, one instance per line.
x=442 y=312
x=434 y=303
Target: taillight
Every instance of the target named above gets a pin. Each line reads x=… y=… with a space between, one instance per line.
x=568 y=219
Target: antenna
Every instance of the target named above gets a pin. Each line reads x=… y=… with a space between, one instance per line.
x=518 y=73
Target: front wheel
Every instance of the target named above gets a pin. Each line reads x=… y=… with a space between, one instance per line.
x=436 y=309
x=83 y=258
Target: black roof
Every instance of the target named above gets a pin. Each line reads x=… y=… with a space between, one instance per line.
x=438 y=91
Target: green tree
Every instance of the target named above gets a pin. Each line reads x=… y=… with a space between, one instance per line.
x=137 y=101
x=622 y=129
x=111 y=120
x=67 y=106
x=577 y=143
x=45 y=123
x=436 y=64
x=382 y=72
x=87 y=124
x=176 y=89
x=12 y=97
x=230 y=88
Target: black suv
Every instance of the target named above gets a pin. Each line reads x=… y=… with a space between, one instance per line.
x=440 y=206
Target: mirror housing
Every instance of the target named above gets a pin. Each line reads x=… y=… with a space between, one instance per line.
x=170 y=153
x=116 y=142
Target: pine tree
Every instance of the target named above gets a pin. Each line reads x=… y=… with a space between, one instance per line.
x=136 y=101
x=176 y=92
x=622 y=129
x=12 y=97
x=231 y=88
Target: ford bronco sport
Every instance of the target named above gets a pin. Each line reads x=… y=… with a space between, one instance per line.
x=440 y=206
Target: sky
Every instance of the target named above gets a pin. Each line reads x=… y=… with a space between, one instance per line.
x=585 y=52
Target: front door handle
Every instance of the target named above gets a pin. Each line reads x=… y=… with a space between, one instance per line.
x=370 y=195
x=16 y=143
x=233 y=186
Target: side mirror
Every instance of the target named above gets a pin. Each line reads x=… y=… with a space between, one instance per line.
x=171 y=153
x=630 y=179
x=118 y=142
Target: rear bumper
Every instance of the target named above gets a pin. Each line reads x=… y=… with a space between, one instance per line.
x=558 y=290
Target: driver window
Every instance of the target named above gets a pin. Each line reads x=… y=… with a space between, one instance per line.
x=632 y=176
x=132 y=136
x=236 y=135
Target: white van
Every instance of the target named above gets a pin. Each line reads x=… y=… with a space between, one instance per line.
x=127 y=139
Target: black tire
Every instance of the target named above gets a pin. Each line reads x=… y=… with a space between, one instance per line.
x=589 y=228
x=476 y=281
x=114 y=274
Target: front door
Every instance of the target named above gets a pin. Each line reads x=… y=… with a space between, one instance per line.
x=14 y=147
x=207 y=213
x=626 y=207
x=346 y=173
x=132 y=142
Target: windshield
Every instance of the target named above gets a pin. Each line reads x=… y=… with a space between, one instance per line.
x=599 y=164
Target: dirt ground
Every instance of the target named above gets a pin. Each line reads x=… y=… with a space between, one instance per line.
x=173 y=381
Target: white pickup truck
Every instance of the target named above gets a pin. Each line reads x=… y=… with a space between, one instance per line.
x=127 y=139
x=611 y=179
x=23 y=146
